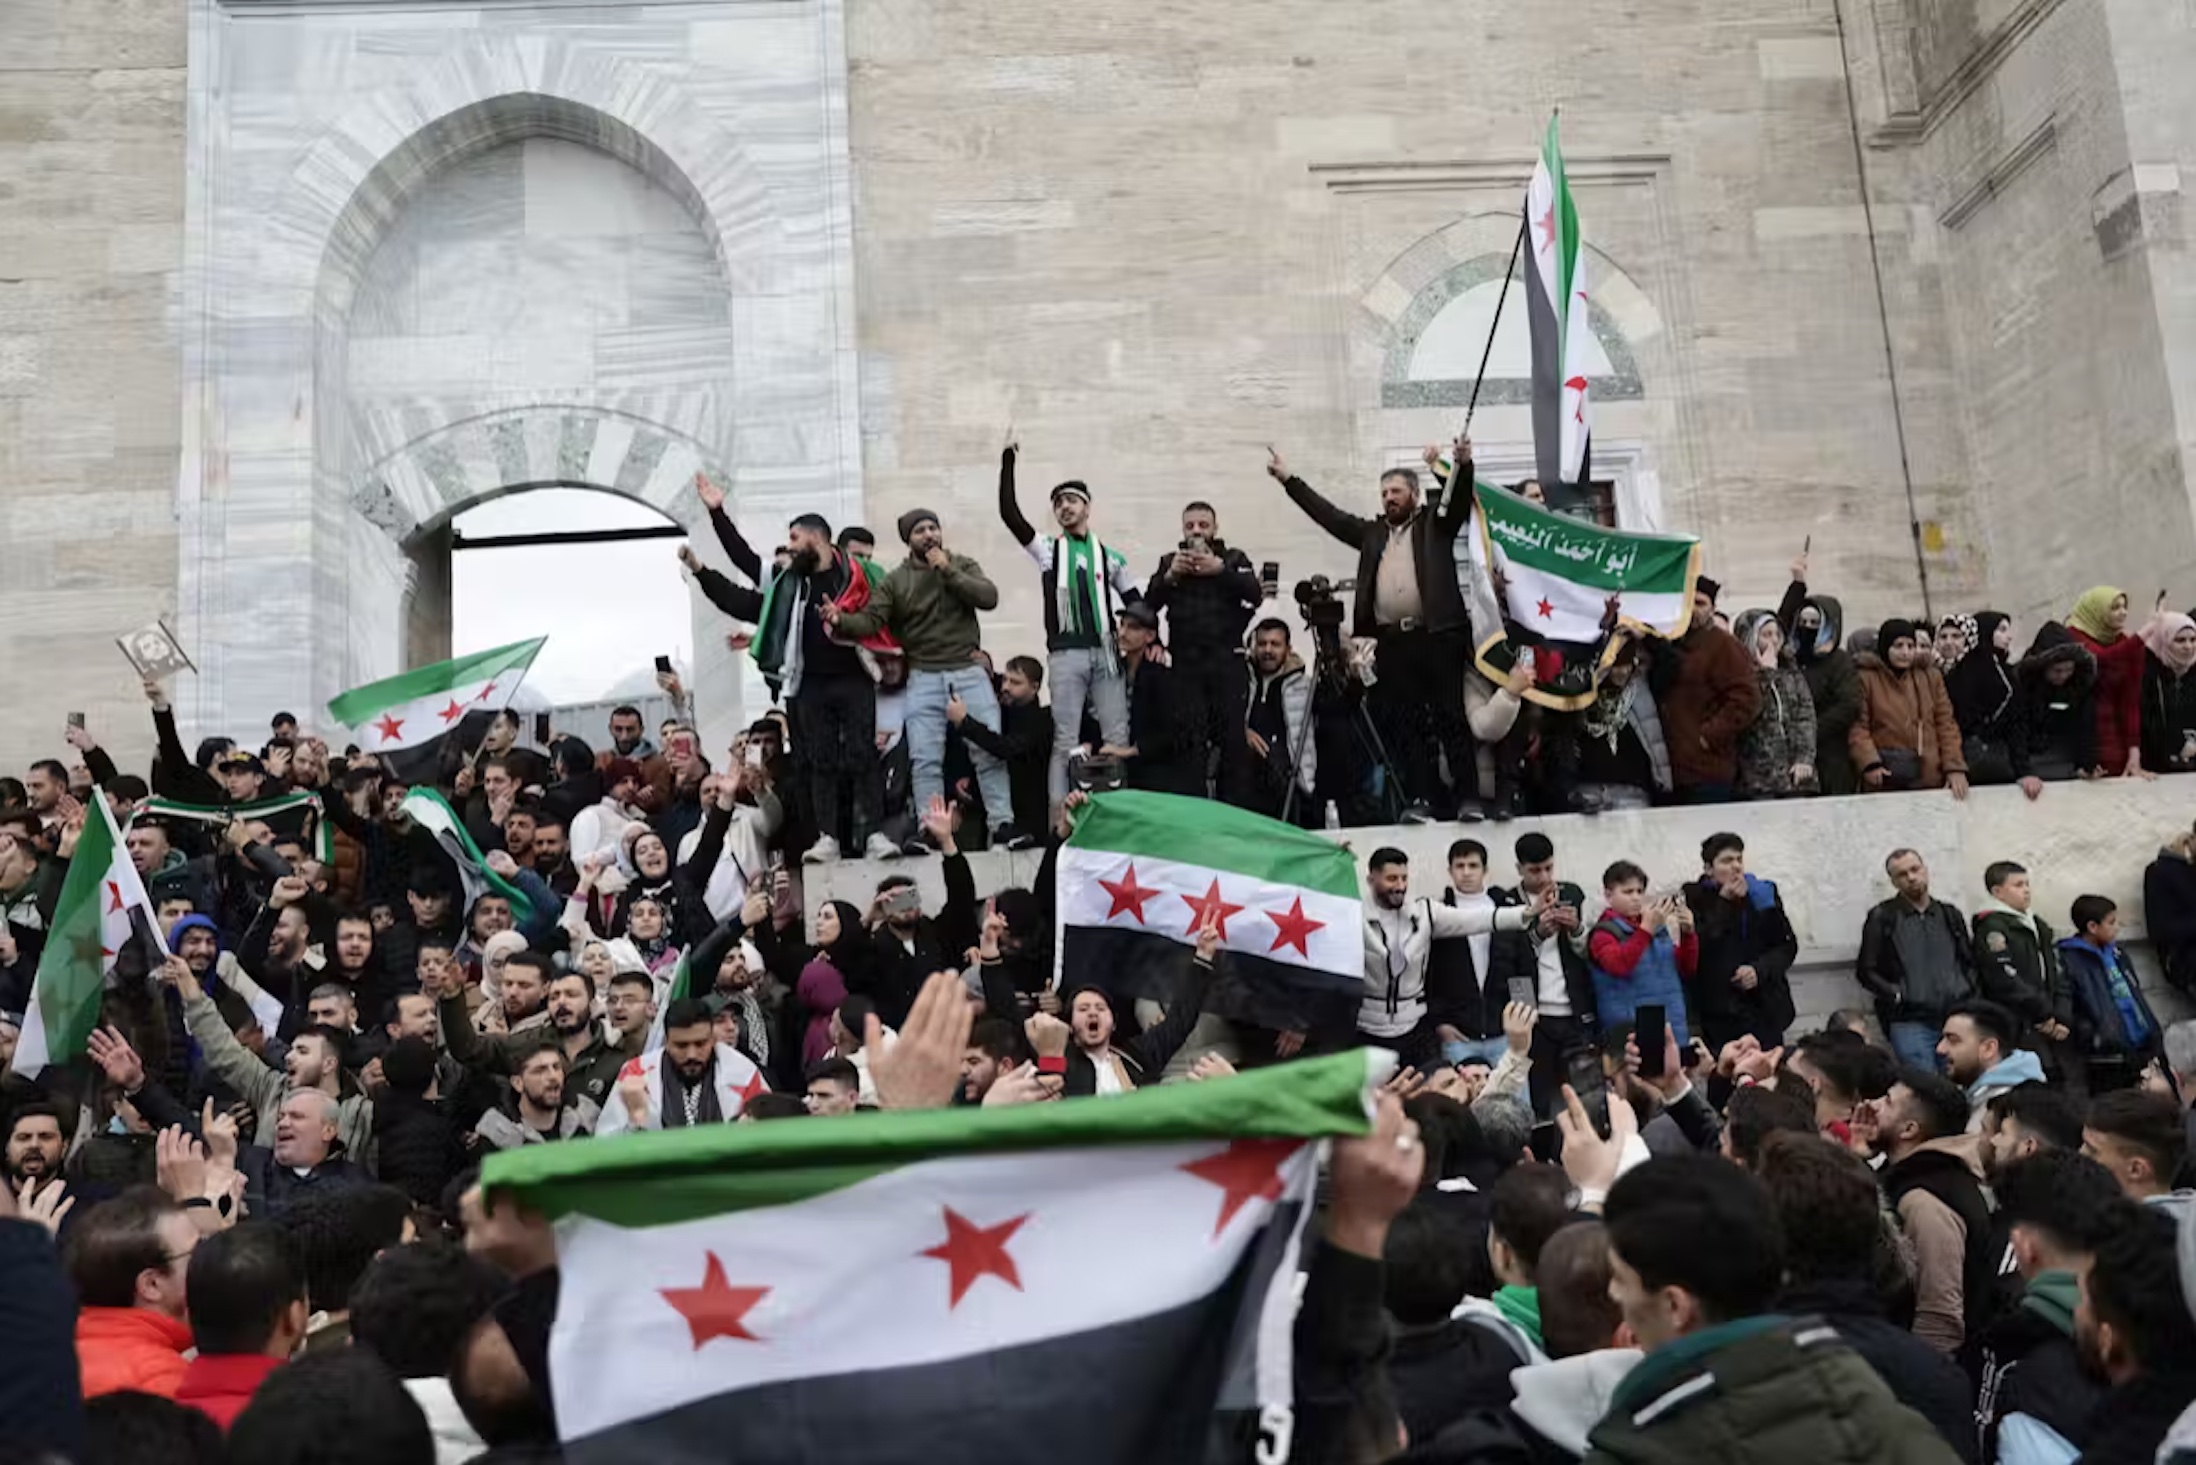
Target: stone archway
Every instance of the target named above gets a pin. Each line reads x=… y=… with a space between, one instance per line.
x=291 y=516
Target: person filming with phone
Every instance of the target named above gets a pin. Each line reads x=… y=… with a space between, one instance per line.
x=1209 y=593
x=1643 y=949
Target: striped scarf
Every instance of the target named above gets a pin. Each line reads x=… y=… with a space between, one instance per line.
x=1078 y=557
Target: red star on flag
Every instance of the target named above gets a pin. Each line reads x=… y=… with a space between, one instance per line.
x=1210 y=902
x=1547 y=222
x=114 y=897
x=1293 y=928
x=389 y=726
x=1248 y=1170
x=452 y=713
x=974 y=1251
x=1128 y=895
x=1578 y=384
x=715 y=1309
x=1546 y=609
x=486 y=692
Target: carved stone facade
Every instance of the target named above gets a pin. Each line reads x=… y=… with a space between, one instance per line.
x=286 y=283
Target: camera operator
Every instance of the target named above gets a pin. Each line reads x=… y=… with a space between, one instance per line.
x=1209 y=593
x=1408 y=603
x=1276 y=732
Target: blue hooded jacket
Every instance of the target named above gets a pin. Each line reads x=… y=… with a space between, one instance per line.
x=2108 y=999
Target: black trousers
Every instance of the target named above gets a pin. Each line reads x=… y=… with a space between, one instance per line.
x=1211 y=698
x=835 y=756
x=1418 y=705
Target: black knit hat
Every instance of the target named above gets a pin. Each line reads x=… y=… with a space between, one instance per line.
x=912 y=520
x=1705 y=586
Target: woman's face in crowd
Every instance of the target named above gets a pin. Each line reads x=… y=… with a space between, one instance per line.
x=1900 y=653
x=2059 y=673
x=827 y=926
x=1948 y=643
x=2117 y=616
x=2002 y=637
x=2184 y=642
x=1768 y=640
x=650 y=857
x=595 y=961
x=646 y=920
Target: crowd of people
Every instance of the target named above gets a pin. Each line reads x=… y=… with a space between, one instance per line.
x=1615 y=1205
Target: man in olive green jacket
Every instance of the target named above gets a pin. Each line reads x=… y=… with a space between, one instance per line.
x=1724 y=1381
x=929 y=602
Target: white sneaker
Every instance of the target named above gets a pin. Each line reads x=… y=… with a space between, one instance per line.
x=880 y=847
x=822 y=852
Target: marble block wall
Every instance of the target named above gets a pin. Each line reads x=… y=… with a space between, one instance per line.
x=442 y=252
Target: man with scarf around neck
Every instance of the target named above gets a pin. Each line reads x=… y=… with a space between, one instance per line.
x=1726 y=1381
x=1741 y=979
x=1410 y=606
x=2017 y=963
x=692 y=1079
x=1085 y=586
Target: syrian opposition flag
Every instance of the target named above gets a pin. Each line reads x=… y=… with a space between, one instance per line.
x=295 y=814
x=404 y=720
x=102 y=928
x=1089 y=1283
x=1569 y=582
x=1140 y=871
x=431 y=812
x=1555 y=295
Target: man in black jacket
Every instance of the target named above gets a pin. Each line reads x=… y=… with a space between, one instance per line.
x=1098 y=1065
x=1741 y=979
x=1157 y=755
x=1023 y=741
x=2169 y=908
x=1208 y=592
x=1551 y=954
x=1916 y=960
x=909 y=946
x=1408 y=603
x=2134 y=1329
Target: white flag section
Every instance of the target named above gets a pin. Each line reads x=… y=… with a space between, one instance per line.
x=920 y=1264
x=1561 y=316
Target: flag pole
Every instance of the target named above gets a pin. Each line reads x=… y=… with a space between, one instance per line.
x=1500 y=300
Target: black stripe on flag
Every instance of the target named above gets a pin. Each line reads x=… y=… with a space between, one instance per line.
x=1132 y=964
x=1136 y=1393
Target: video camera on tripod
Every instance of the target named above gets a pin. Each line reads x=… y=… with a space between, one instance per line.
x=1319 y=601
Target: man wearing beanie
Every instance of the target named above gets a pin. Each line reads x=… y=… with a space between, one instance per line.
x=929 y=602
x=1085 y=585
x=1709 y=697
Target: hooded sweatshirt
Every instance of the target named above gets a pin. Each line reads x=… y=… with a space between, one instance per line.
x=1832 y=683
x=2010 y=1072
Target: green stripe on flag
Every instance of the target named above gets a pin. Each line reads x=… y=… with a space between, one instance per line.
x=1203 y=832
x=432 y=811
x=72 y=969
x=1581 y=552
x=355 y=707
x=1566 y=240
x=667 y=1176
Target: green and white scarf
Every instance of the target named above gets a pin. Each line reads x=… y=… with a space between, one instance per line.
x=1085 y=556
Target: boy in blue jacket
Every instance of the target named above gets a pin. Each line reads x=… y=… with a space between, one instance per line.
x=1641 y=954
x=2113 y=1023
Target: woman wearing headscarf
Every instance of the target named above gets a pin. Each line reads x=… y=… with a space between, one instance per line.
x=1777 y=753
x=840 y=963
x=2169 y=694
x=2058 y=717
x=1813 y=624
x=2099 y=624
x=1987 y=703
x=1907 y=737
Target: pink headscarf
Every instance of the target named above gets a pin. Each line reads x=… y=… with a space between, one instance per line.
x=821 y=989
x=2158 y=636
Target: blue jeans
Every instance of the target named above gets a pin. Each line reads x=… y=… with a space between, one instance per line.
x=927 y=694
x=1915 y=1045
x=1474 y=1050
x=1081 y=676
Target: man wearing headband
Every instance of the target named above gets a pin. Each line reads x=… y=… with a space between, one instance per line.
x=1086 y=584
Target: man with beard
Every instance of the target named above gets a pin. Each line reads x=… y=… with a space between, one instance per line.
x=539 y=1113
x=929 y=602
x=690 y=1080
x=2037 y=1400
x=313 y=1060
x=1920 y=1129
x=591 y=1064
x=2134 y=1331
x=1098 y=1065
x=525 y=1003
x=35 y=1149
x=1979 y=1050
x=600 y=828
x=553 y=854
x=829 y=691
x=1399 y=935
x=1209 y=593
x=628 y=736
x=995 y=1048
x=1409 y=605
x=1085 y=583
x=1276 y=750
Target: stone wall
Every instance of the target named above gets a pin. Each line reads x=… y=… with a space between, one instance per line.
x=1825 y=855
x=91 y=237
